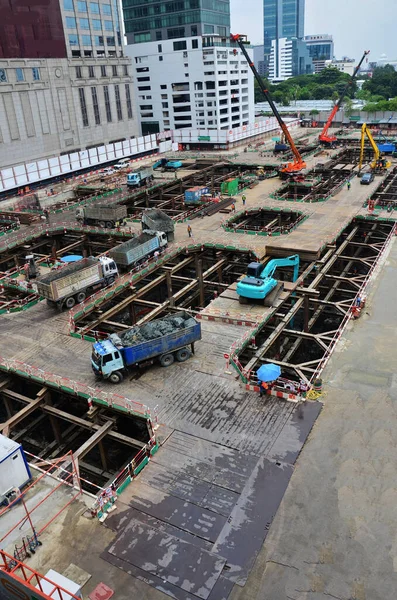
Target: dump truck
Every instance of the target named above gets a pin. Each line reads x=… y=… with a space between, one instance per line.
x=102 y=215
x=164 y=340
x=139 y=248
x=140 y=177
x=155 y=219
x=74 y=282
x=193 y=195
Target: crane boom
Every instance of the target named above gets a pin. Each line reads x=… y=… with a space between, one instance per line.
x=330 y=139
x=298 y=163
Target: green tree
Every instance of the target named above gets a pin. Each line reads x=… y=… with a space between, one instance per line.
x=335 y=96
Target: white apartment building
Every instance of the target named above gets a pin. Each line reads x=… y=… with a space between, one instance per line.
x=196 y=82
x=346 y=65
x=68 y=101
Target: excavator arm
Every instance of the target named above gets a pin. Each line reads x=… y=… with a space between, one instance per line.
x=378 y=161
x=275 y=263
x=324 y=138
x=298 y=163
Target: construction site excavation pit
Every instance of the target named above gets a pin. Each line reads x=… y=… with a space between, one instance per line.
x=303 y=332
x=49 y=423
x=264 y=221
x=188 y=281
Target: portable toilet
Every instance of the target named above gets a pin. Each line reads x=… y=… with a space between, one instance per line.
x=14 y=469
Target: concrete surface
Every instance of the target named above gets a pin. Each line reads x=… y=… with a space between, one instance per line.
x=334 y=535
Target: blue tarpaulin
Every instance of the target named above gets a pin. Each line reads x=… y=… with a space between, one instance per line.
x=268 y=372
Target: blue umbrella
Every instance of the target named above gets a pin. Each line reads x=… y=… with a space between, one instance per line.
x=268 y=372
x=71 y=258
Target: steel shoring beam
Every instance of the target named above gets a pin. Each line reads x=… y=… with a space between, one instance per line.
x=20 y=415
x=335 y=286
x=83 y=423
x=93 y=440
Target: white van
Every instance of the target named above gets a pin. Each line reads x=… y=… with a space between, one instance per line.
x=122 y=164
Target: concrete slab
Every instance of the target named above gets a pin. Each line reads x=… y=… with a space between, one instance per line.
x=77 y=574
x=167 y=557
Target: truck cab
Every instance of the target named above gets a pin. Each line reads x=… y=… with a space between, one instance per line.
x=107 y=362
x=110 y=270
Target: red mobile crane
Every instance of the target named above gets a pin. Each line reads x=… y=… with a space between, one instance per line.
x=324 y=138
x=298 y=164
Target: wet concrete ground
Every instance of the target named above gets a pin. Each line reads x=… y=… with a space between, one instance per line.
x=335 y=533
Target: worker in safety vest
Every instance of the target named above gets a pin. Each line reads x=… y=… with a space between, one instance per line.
x=263 y=388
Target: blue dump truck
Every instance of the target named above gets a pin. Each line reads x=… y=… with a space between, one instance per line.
x=163 y=340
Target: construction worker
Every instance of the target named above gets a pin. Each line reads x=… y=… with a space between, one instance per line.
x=349 y=185
x=243 y=198
x=263 y=387
x=47 y=215
x=189 y=230
x=233 y=207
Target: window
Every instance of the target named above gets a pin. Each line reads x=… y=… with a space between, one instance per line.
x=95 y=105
x=160 y=58
x=114 y=70
x=108 y=25
x=164 y=96
x=193 y=30
x=159 y=35
x=107 y=104
x=125 y=70
x=146 y=107
x=91 y=71
x=118 y=103
x=83 y=107
x=84 y=23
x=128 y=98
x=144 y=88
x=70 y=22
x=36 y=74
x=103 y=71
x=3 y=76
x=94 y=7
x=164 y=104
x=19 y=74
x=110 y=41
x=163 y=87
x=106 y=9
x=142 y=37
x=209 y=29
x=176 y=33
x=160 y=47
x=81 y=6
x=143 y=78
x=99 y=40
x=194 y=44
x=86 y=40
x=68 y=4
x=96 y=24
x=78 y=73
x=185 y=55
x=180 y=45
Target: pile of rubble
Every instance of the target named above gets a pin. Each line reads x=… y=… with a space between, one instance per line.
x=151 y=331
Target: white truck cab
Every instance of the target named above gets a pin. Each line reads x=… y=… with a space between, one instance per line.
x=110 y=269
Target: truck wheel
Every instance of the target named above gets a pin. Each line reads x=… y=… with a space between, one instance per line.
x=109 y=224
x=182 y=355
x=111 y=280
x=102 y=224
x=166 y=360
x=80 y=297
x=116 y=377
x=70 y=302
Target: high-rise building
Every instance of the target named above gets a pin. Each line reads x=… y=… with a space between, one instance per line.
x=188 y=74
x=321 y=48
x=289 y=57
x=65 y=84
x=164 y=20
x=259 y=60
x=282 y=19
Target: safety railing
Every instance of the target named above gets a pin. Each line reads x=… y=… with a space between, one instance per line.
x=82 y=390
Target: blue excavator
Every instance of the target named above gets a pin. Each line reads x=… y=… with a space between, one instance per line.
x=259 y=282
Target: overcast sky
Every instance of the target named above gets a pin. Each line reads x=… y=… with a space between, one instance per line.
x=356 y=25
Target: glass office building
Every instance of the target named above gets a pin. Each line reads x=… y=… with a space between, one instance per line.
x=282 y=19
x=164 y=20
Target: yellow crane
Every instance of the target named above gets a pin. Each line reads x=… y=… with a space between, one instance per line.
x=379 y=163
